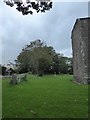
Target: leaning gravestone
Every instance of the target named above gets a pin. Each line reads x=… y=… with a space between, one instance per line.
x=21 y=77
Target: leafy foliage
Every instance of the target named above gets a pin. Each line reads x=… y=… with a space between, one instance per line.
x=28 y=6
x=3 y=70
x=41 y=59
x=0 y=70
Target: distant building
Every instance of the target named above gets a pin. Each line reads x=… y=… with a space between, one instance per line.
x=10 y=65
x=9 y=71
x=81 y=50
x=10 y=68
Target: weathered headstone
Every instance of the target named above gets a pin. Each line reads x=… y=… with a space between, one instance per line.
x=14 y=79
x=18 y=78
x=81 y=50
x=22 y=77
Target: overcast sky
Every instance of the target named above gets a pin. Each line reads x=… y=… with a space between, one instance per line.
x=53 y=27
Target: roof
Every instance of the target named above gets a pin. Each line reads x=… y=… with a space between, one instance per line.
x=10 y=69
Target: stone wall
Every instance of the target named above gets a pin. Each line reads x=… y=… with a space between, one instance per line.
x=80 y=49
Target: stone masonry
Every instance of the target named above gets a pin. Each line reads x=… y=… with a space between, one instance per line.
x=81 y=48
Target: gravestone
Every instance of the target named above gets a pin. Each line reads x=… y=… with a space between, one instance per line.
x=14 y=79
x=81 y=50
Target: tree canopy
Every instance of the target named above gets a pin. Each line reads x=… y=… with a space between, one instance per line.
x=39 y=58
x=28 y=6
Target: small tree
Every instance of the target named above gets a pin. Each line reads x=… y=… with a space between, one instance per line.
x=0 y=70
x=3 y=70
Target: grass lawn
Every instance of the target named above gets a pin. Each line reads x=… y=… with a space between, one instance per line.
x=45 y=97
x=0 y=98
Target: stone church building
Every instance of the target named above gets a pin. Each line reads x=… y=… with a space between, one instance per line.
x=81 y=50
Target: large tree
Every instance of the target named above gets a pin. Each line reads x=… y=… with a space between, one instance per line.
x=39 y=58
x=36 y=57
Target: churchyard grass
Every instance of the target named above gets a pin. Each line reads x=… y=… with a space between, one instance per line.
x=0 y=98
x=48 y=96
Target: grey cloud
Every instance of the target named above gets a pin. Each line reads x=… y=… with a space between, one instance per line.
x=53 y=27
